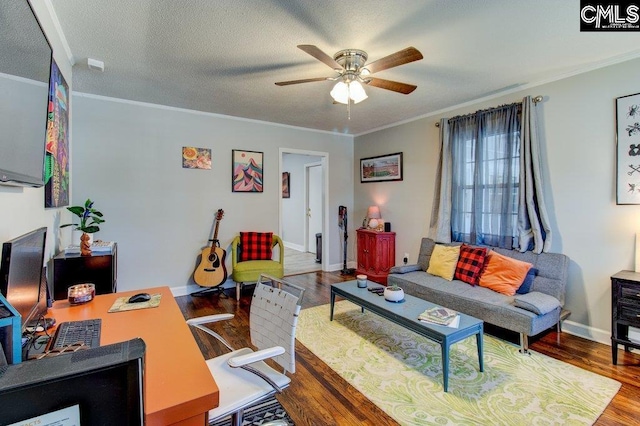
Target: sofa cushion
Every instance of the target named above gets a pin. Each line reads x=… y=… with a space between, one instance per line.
x=443 y=261
x=255 y=246
x=536 y=302
x=403 y=269
x=503 y=274
x=470 y=264
x=528 y=281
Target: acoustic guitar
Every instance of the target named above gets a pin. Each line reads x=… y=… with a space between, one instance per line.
x=212 y=271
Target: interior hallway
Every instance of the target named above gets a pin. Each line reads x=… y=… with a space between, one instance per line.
x=298 y=262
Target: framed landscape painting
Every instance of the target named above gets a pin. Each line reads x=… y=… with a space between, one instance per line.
x=628 y=149
x=382 y=168
x=247 y=171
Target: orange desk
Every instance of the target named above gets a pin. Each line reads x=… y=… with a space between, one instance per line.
x=179 y=388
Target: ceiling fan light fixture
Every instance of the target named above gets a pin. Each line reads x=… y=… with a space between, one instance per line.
x=340 y=92
x=356 y=92
x=343 y=92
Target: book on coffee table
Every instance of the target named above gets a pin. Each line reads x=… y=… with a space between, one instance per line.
x=440 y=315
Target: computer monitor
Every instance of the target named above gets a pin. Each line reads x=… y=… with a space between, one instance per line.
x=21 y=274
x=101 y=386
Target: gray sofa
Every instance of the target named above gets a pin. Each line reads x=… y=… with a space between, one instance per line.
x=527 y=314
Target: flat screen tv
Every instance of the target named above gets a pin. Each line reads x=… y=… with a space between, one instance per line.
x=97 y=386
x=21 y=275
x=25 y=67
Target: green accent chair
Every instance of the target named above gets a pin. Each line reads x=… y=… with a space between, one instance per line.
x=249 y=271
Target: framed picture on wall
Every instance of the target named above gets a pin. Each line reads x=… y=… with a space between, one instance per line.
x=628 y=149
x=56 y=161
x=196 y=158
x=285 y=185
x=381 y=168
x=247 y=171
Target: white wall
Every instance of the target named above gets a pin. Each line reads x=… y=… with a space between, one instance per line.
x=127 y=158
x=293 y=208
x=578 y=129
x=22 y=209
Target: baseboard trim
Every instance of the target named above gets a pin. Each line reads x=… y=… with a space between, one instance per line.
x=338 y=266
x=186 y=290
x=297 y=247
x=595 y=334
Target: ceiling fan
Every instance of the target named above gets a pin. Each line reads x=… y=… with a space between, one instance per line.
x=353 y=71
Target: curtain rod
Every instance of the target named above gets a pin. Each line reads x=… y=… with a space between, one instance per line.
x=535 y=100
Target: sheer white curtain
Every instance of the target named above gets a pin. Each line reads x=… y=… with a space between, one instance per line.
x=488 y=184
x=534 y=229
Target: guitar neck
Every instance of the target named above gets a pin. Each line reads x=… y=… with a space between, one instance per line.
x=214 y=242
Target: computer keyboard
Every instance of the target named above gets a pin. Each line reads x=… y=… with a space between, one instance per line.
x=86 y=332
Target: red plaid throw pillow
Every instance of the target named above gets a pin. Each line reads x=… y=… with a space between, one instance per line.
x=255 y=246
x=470 y=264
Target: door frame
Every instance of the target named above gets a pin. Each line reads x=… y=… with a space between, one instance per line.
x=307 y=235
x=325 y=199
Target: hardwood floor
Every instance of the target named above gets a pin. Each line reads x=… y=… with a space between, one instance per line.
x=318 y=396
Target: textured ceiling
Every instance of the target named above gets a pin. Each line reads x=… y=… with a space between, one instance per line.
x=224 y=56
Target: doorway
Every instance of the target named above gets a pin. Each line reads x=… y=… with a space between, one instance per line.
x=313 y=224
x=303 y=215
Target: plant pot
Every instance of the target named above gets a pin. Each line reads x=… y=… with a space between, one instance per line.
x=85 y=244
x=393 y=295
x=76 y=234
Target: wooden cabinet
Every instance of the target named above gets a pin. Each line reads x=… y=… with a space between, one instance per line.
x=376 y=254
x=99 y=269
x=625 y=310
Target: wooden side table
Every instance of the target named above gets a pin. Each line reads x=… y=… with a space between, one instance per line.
x=625 y=310
x=376 y=254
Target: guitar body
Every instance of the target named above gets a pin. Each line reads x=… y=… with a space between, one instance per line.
x=212 y=271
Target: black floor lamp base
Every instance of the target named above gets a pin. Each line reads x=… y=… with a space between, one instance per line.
x=348 y=271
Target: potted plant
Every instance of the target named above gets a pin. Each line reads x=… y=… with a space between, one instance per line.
x=90 y=218
x=393 y=293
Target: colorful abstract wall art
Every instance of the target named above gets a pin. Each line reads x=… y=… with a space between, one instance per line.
x=196 y=158
x=247 y=171
x=56 y=160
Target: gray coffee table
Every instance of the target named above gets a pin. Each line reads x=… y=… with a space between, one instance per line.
x=406 y=314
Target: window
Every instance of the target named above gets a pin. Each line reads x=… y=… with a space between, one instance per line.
x=485 y=152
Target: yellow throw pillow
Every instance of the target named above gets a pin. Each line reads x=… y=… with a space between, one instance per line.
x=443 y=261
x=503 y=274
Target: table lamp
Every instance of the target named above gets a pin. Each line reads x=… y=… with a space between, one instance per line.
x=373 y=217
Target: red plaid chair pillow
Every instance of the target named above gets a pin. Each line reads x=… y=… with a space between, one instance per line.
x=255 y=246
x=470 y=264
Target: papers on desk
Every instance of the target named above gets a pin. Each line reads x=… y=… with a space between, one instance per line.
x=98 y=247
x=440 y=316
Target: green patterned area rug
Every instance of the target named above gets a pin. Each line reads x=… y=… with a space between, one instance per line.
x=401 y=373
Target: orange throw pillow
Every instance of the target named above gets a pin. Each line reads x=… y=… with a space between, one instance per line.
x=503 y=274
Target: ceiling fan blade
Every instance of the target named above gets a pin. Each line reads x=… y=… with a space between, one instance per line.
x=401 y=57
x=395 y=86
x=321 y=56
x=306 y=80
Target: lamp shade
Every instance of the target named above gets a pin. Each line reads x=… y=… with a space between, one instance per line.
x=353 y=90
x=340 y=92
x=356 y=92
x=373 y=212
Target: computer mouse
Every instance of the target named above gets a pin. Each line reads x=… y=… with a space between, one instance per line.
x=140 y=297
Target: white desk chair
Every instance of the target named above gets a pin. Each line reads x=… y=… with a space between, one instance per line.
x=244 y=379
